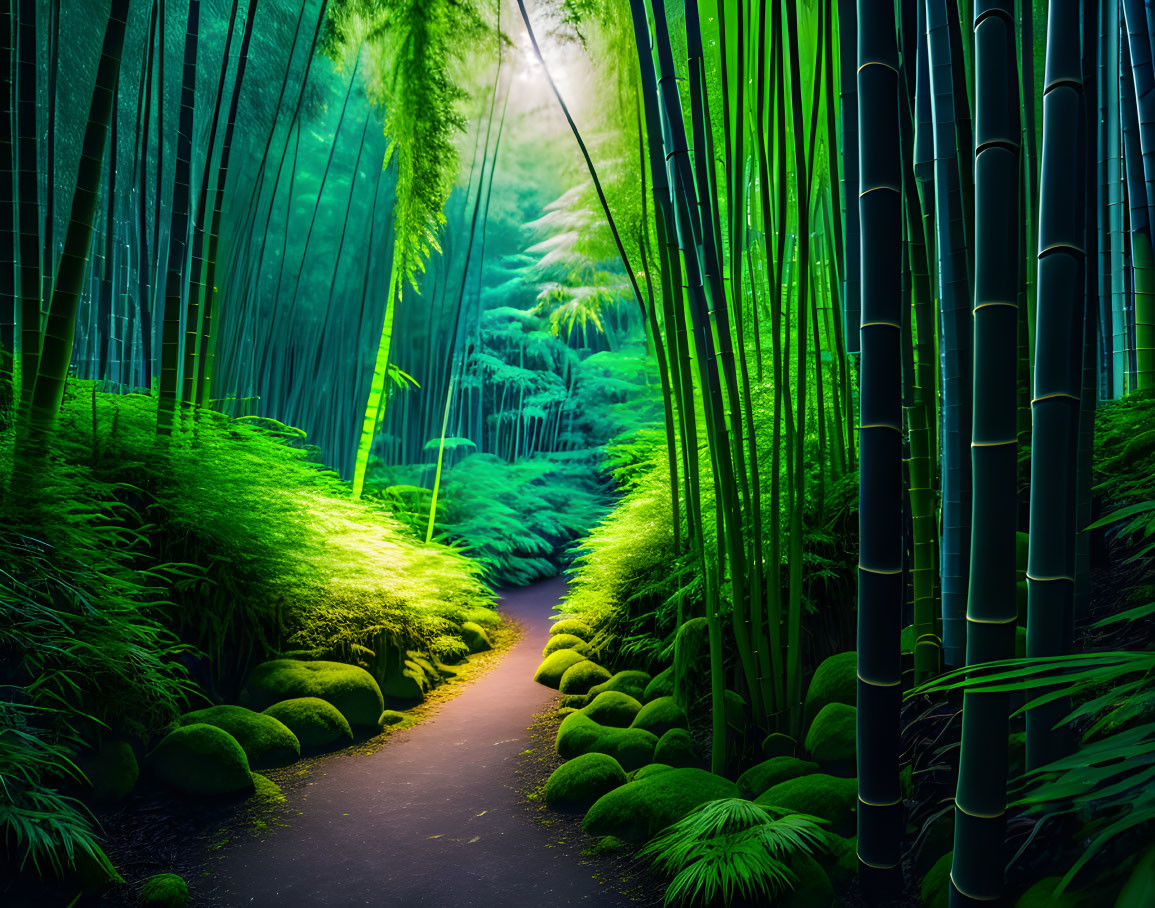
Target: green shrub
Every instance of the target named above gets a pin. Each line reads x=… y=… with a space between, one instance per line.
x=201 y=760
x=581 y=676
x=577 y=783
x=637 y=811
x=612 y=708
x=267 y=742
x=318 y=725
x=348 y=687
x=631 y=747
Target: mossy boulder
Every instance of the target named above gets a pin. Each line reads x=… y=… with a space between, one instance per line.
x=935 y=888
x=831 y=737
x=581 y=676
x=637 y=811
x=565 y=641
x=555 y=665
x=266 y=792
x=202 y=760
x=820 y=795
x=475 y=637
x=405 y=680
x=267 y=742
x=676 y=748
x=318 y=725
x=627 y=682
x=778 y=745
x=614 y=708
x=841 y=859
x=574 y=626
x=112 y=769
x=1042 y=895
x=758 y=779
x=660 y=715
x=579 y=734
x=392 y=717
x=348 y=687
x=577 y=783
x=652 y=770
x=563 y=711
x=661 y=685
x=835 y=681
x=577 y=701
x=812 y=888
x=165 y=890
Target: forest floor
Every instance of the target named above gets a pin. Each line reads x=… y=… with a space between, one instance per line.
x=436 y=817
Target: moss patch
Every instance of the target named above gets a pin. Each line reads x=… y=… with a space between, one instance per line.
x=165 y=890
x=267 y=742
x=318 y=725
x=831 y=737
x=758 y=779
x=676 y=748
x=579 y=734
x=827 y=797
x=393 y=717
x=565 y=641
x=660 y=715
x=348 y=687
x=652 y=770
x=576 y=784
x=628 y=682
x=202 y=760
x=614 y=708
x=635 y=812
x=834 y=681
x=574 y=626
x=475 y=637
x=266 y=792
x=581 y=676
x=555 y=665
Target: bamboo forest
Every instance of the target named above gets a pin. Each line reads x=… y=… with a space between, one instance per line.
x=528 y=453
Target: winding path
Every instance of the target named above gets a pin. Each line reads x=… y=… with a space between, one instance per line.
x=431 y=819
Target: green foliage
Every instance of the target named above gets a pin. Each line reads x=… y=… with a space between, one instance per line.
x=731 y=848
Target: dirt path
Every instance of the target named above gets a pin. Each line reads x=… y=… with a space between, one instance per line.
x=432 y=819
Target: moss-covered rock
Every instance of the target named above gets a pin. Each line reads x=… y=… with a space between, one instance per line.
x=676 y=748
x=432 y=673
x=1042 y=895
x=577 y=783
x=820 y=795
x=267 y=742
x=563 y=711
x=266 y=792
x=812 y=888
x=348 y=687
x=405 y=680
x=831 y=737
x=574 y=626
x=612 y=707
x=318 y=725
x=660 y=715
x=627 y=682
x=577 y=701
x=834 y=681
x=475 y=637
x=555 y=665
x=579 y=734
x=635 y=812
x=841 y=859
x=165 y=890
x=652 y=770
x=565 y=641
x=758 y=779
x=581 y=676
x=935 y=888
x=112 y=769
x=202 y=760
x=661 y=685
x=392 y=717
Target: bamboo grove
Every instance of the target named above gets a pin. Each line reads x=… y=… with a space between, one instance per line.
x=908 y=242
